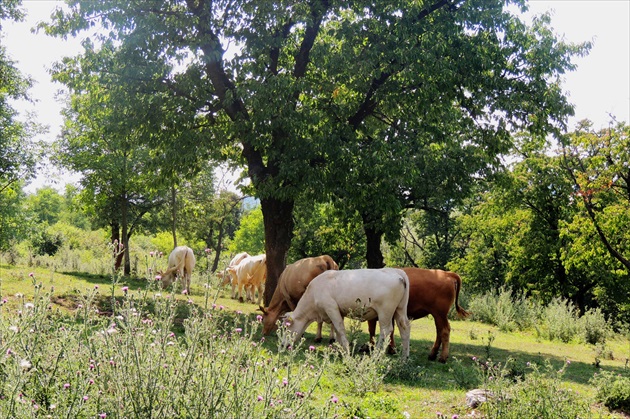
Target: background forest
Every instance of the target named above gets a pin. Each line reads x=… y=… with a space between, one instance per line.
x=430 y=135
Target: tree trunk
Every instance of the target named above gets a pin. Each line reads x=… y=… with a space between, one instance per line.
x=374 y=256
x=116 y=239
x=125 y=235
x=278 y=219
x=174 y=215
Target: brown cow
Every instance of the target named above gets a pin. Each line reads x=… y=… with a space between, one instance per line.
x=291 y=286
x=431 y=291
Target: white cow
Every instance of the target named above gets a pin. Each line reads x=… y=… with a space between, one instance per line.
x=181 y=262
x=251 y=274
x=371 y=293
x=228 y=277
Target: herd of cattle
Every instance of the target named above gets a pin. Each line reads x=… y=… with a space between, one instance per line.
x=315 y=290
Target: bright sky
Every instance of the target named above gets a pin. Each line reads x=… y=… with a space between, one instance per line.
x=600 y=86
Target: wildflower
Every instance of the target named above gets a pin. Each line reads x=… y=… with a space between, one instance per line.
x=334 y=399
x=299 y=394
x=406 y=415
x=455 y=416
x=85 y=398
x=285 y=382
x=9 y=352
x=259 y=318
x=19 y=295
x=25 y=364
x=158 y=277
x=14 y=329
x=184 y=292
x=568 y=362
x=29 y=305
x=52 y=407
x=95 y=287
x=125 y=289
x=311 y=348
x=208 y=250
x=31 y=274
x=474 y=358
x=151 y=254
x=102 y=415
x=66 y=386
x=260 y=398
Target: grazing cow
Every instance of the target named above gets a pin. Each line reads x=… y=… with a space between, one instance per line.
x=431 y=291
x=181 y=263
x=370 y=293
x=291 y=286
x=251 y=274
x=227 y=275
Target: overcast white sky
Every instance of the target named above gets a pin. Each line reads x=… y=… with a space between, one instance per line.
x=600 y=86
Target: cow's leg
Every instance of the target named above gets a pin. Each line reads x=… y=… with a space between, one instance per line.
x=340 y=329
x=386 y=324
x=442 y=337
x=404 y=326
x=318 y=336
x=372 y=330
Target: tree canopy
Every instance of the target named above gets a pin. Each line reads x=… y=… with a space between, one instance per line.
x=380 y=106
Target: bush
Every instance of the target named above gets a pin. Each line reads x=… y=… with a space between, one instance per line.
x=505 y=310
x=593 y=327
x=536 y=393
x=560 y=321
x=613 y=390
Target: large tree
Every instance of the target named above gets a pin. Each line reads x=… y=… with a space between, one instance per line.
x=317 y=93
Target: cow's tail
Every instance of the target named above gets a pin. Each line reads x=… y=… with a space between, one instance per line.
x=458 y=285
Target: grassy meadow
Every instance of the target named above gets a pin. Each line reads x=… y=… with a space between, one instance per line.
x=314 y=381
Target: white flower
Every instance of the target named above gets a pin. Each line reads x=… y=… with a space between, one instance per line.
x=25 y=364
x=14 y=329
x=29 y=305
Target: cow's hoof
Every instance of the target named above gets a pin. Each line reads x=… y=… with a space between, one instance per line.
x=391 y=351
x=432 y=357
x=443 y=361
x=318 y=340
x=331 y=341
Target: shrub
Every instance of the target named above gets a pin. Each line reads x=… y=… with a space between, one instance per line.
x=613 y=390
x=593 y=327
x=560 y=321
x=539 y=394
x=132 y=364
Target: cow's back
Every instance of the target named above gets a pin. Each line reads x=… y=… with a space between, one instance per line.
x=358 y=288
x=431 y=291
x=297 y=276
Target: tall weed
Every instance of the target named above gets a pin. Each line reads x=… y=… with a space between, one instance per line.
x=539 y=393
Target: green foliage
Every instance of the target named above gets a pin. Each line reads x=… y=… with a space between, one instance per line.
x=613 y=390
x=539 y=394
x=250 y=236
x=559 y=321
x=505 y=309
x=594 y=328
x=88 y=366
x=324 y=229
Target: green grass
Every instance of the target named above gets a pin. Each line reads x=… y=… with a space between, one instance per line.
x=422 y=390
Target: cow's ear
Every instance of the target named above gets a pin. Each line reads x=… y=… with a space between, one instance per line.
x=261 y=308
